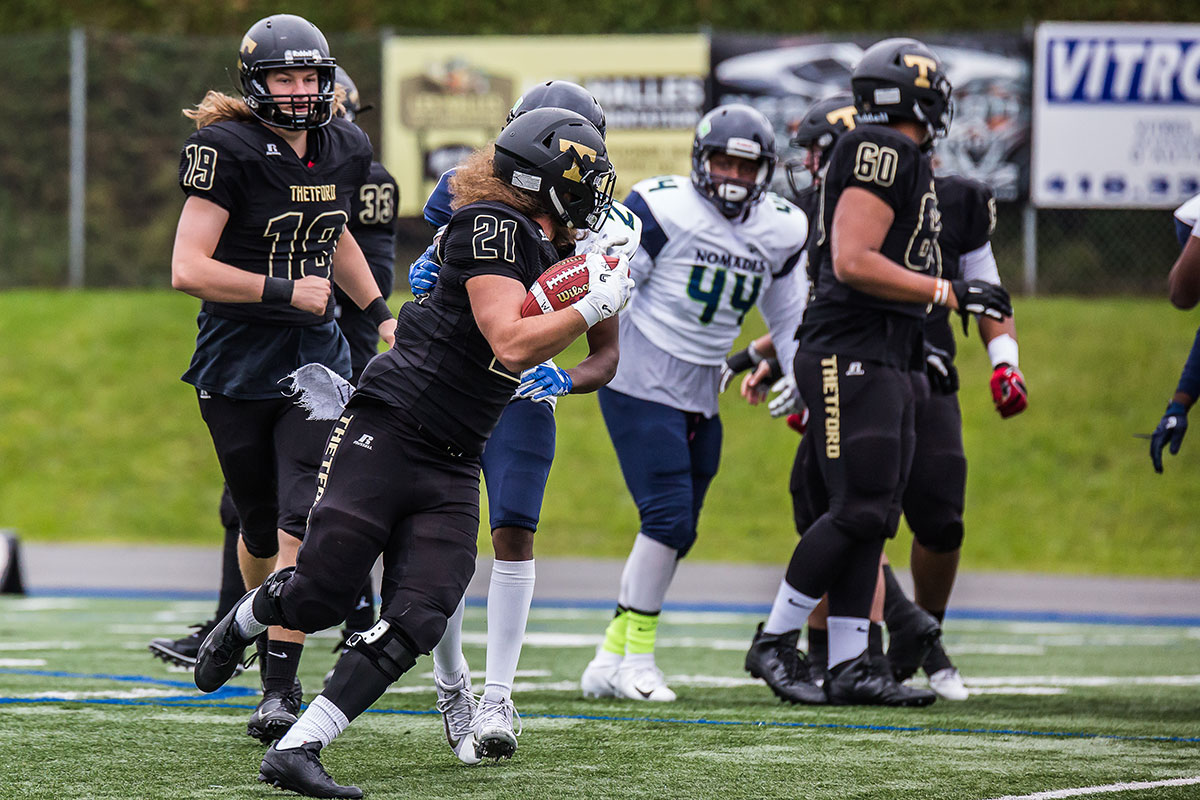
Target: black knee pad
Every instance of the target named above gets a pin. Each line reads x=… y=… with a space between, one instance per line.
x=268 y=607
x=261 y=546
x=945 y=538
x=388 y=649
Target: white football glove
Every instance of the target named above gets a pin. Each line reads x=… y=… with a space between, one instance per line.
x=608 y=289
x=610 y=244
x=787 y=398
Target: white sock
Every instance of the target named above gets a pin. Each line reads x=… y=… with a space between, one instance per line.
x=847 y=638
x=247 y=626
x=647 y=574
x=321 y=722
x=790 y=609
x=510 y=593
x=448 y=661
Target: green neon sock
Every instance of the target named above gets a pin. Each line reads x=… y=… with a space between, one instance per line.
x=614 y=634
x=643 y=630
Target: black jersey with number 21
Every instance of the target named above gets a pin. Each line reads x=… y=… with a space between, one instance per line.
x=843 y=320
x=442 y=374
x=286 y=212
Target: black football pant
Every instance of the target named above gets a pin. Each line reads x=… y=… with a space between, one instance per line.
x=269 y=453
x=937 y=484
x=850 y=474
x=384 y=490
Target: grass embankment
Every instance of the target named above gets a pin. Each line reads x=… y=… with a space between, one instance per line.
x=100 y=441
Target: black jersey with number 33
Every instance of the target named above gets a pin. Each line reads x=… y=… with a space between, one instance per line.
x=442 y=373
x=286 y=213
x=843 y=320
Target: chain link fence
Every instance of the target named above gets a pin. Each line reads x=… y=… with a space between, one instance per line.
x=137 y=84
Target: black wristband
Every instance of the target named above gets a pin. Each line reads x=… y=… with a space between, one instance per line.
x=776 y=370
x=740 y=361
x=377 y=311
x=277 y=289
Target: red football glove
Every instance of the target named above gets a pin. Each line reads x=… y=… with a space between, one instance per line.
x=798 y=422
x=1008 y=390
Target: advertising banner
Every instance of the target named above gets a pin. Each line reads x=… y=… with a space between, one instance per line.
x=445 y=96
x=1116 y=111
x=988 y=141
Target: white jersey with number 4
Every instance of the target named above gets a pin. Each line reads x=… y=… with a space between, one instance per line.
x=621 y=223
x=697 y=273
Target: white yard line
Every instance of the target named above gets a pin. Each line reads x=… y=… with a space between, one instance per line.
x=1106 y=789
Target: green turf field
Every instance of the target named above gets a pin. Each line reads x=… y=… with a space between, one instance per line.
x=86 y=713
x=100 y=441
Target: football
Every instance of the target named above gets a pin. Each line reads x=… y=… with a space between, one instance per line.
x=559 y=286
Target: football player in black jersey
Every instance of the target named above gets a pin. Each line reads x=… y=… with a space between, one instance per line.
x=373 y=224
x=934 y=498
x=860 y=366
x=400 y=476
x=269 y=180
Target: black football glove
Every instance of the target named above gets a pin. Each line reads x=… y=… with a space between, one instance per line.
x=737 y=363
x=1169 y=433
x=939 y=366
x=981 y=298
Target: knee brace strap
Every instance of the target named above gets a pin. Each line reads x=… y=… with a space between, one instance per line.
x=268 y=608
x=386 y=647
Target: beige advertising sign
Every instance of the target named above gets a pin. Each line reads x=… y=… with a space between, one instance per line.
x=445 y=96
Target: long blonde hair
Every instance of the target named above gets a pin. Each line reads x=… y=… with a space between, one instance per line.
x=475 y=180
x=219 y=107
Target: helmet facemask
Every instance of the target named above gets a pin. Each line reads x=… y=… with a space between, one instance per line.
x=731 y=195
x=584 y=202
x=270 y=108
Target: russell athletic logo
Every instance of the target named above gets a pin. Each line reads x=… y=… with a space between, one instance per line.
x=364 y=441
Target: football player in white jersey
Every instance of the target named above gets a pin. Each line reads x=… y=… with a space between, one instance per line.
x=516 y=464
x=712 y=248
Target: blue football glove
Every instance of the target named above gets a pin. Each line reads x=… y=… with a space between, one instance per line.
x=544 y=382
x=1170 y=432
x=423 y=273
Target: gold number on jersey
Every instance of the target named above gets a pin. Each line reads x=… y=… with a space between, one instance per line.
x=991 y=216
x=923 y=253
x=875 y=164
x=379 y=204
x=487 y=228
x=201 y=166
x=285 y=229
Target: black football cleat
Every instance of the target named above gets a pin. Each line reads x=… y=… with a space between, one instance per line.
x=221 y=652
x=868 y=681
x=181 y=652
x=775 y=659
x=276 y=714
x=910 y=640
x=299 y=769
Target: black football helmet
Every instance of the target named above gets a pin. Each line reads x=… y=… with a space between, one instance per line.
x=902 y=79
x=559 y=156
x=352 y=106
x=736 y=130
x=285 y=41
x=816 y=132
x=560 y=94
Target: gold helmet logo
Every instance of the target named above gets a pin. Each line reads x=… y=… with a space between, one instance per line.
x=248 y=44
x=924 y=65
x=844 y=115
x=581 y=151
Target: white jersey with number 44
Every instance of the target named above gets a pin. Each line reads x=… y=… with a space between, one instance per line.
x=697 y=273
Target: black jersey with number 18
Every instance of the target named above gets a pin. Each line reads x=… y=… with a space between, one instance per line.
x=442 y=374
x=286 y=212
x=840 y=319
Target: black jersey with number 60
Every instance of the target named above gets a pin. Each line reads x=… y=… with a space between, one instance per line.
x=843 y=320
x=286 y=213
x=442 y=373
x=968 y=210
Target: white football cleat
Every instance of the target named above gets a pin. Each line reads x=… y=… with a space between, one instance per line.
x=643 y=683
x=599 y=679
x=493 y=727
x=948 y=684
x=457 y=706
